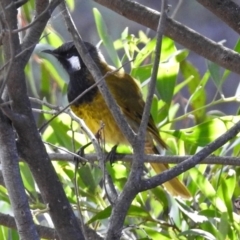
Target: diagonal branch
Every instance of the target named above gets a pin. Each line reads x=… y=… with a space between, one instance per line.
x=111 y=103
x=192 y=161
x=108 y=184
x=201 y=45
x=152 y=85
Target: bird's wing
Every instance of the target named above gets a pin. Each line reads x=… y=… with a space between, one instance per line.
x=129 y=98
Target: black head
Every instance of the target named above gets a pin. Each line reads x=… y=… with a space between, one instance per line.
x=69 y=57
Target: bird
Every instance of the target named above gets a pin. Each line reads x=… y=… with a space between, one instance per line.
x=92 y=108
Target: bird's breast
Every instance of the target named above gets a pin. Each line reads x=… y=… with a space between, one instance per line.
x=96 y=114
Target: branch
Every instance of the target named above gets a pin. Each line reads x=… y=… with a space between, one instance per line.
x=33 y=35
x=131 y=188
x=8 y=150
x=152 y=85
x=44 y=232
x=29 y=141
x=226 y=161
x=13 y=182
x=108 y=184
x=201 y=45
x=192 y=161
x=227 y=10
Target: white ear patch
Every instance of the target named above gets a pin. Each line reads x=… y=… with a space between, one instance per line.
x=75 y=63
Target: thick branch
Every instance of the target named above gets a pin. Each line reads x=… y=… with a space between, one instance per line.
x=8 y=149
x=203 y=46
x=44 y=232
x=29 y=140
x=13 y=181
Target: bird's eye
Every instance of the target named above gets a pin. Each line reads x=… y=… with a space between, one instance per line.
x=68 y=55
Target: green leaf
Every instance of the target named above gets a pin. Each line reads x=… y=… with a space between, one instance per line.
x=143 y=37
x=135 y=211
x=142 y=73
x=105 y=37
x=166 y=80
x=223 y=226
x=226 y=190
x=3 y=233
x=207 y=189
x=156 y=234
x=182 y=84
x=193 y=215
x=215 y=72
x=101 y=215
x=154 y=108
x=28 y=8
x=87 y=178
x=199 y=100
x=206 y=132
x=29 y=70
x=57 y=131
x=4 y=195
x=180 y=55
x=52 y=66
x=28 y=180
x=202 y=182
x=130 y=47
x=227 y=72
x=197 y=233
x=144 y=53
x=70 y=4
x=168 y=49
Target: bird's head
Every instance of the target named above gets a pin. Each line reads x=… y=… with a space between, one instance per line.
x=69 y=57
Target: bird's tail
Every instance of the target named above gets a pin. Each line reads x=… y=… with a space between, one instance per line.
x=174 y=186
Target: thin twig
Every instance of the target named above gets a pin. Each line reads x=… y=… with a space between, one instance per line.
x=44 y=103
x=74 y=155
x=9 y=63
x=151 y=89
x=35 y=20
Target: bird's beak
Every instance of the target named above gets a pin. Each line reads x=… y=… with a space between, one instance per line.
x=51 y=52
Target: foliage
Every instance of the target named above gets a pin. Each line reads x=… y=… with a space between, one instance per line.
x=180 y=108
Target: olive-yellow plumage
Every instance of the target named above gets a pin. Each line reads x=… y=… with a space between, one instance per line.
x=94 y=111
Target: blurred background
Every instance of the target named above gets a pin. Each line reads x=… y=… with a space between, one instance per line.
x=187 y=12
